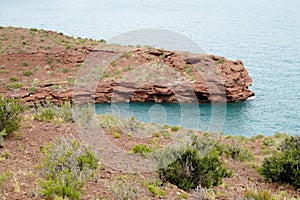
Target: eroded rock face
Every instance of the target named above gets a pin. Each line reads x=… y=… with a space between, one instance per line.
x=190 y=78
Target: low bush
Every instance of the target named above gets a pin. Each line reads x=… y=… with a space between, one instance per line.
x=65 y=70
x=175 y=128
x=284 y=165
x=13 y=79
x=50 y=112
x=84 y=115
x=4 y=176
x=122 y=125
x=10 y=110
x=192 y=169
x=123 y=190
x=154 y=186
x=260 y=195
x=24 y=64
x=156 y=191
x=27 y=73
x=268 y=142
x=14 y=85
x=142 y=149
x=32 y=89
x=234 y=150
x=66 y=166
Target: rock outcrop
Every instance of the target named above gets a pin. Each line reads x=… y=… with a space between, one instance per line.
x=191 y=77
x=38 y=65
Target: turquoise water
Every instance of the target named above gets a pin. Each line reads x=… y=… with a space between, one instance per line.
x=264 y=34
x=206 y=117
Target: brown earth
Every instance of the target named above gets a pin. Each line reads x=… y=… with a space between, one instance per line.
x=21 y=152
x=37 y=65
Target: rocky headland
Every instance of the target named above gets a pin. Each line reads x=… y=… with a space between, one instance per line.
x=38 y=65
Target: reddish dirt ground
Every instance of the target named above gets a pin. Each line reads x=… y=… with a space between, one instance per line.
x=23 y=50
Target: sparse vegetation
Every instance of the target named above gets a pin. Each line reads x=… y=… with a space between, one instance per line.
x=66 y=166
x=175 y=128
x=113 y=63
x=14 y=85
x=268 y=142
x=260 y=195
x=142 y=149
x=3 y=177
x=234 y=150
x=192 y=169
x=124 y=190
x=5 y=155
x=32 y=89
x=284 y=165
x=116 y=135
x=4 y=71
x=27 y=73
x=33 y=29
x=13 y=79
x=24 y=64
x=156 y=191
x=154 y=186
x=68 y=46
x=53 y=113
x=49 y=60
x=65 y=70
x=10 y=110
x=221 y=61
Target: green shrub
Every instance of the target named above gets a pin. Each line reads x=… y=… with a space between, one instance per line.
x=123 y=190
x=116 y=135
x=13 y=79
x=235 y=151
x=45 y=114
x=284 y=166
x=154 y=186
x=3 y=177
x=156 y=191
x=65 y=70
x=268 y=142
x=27 y=73
x=260 y=195
x=66 y=166
x=175 y=128
x=24 y=64
x=49 y=60
x=221 y=61
x=10 y=110
x=66 y=112
x=50 y=112
x=14 y=86
x=192 y=169
x=32 y=89
x=4 y=71
x=86 y=117
x=142 y=149
x=121 y=125
x=33 y=29
x=68 y=46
